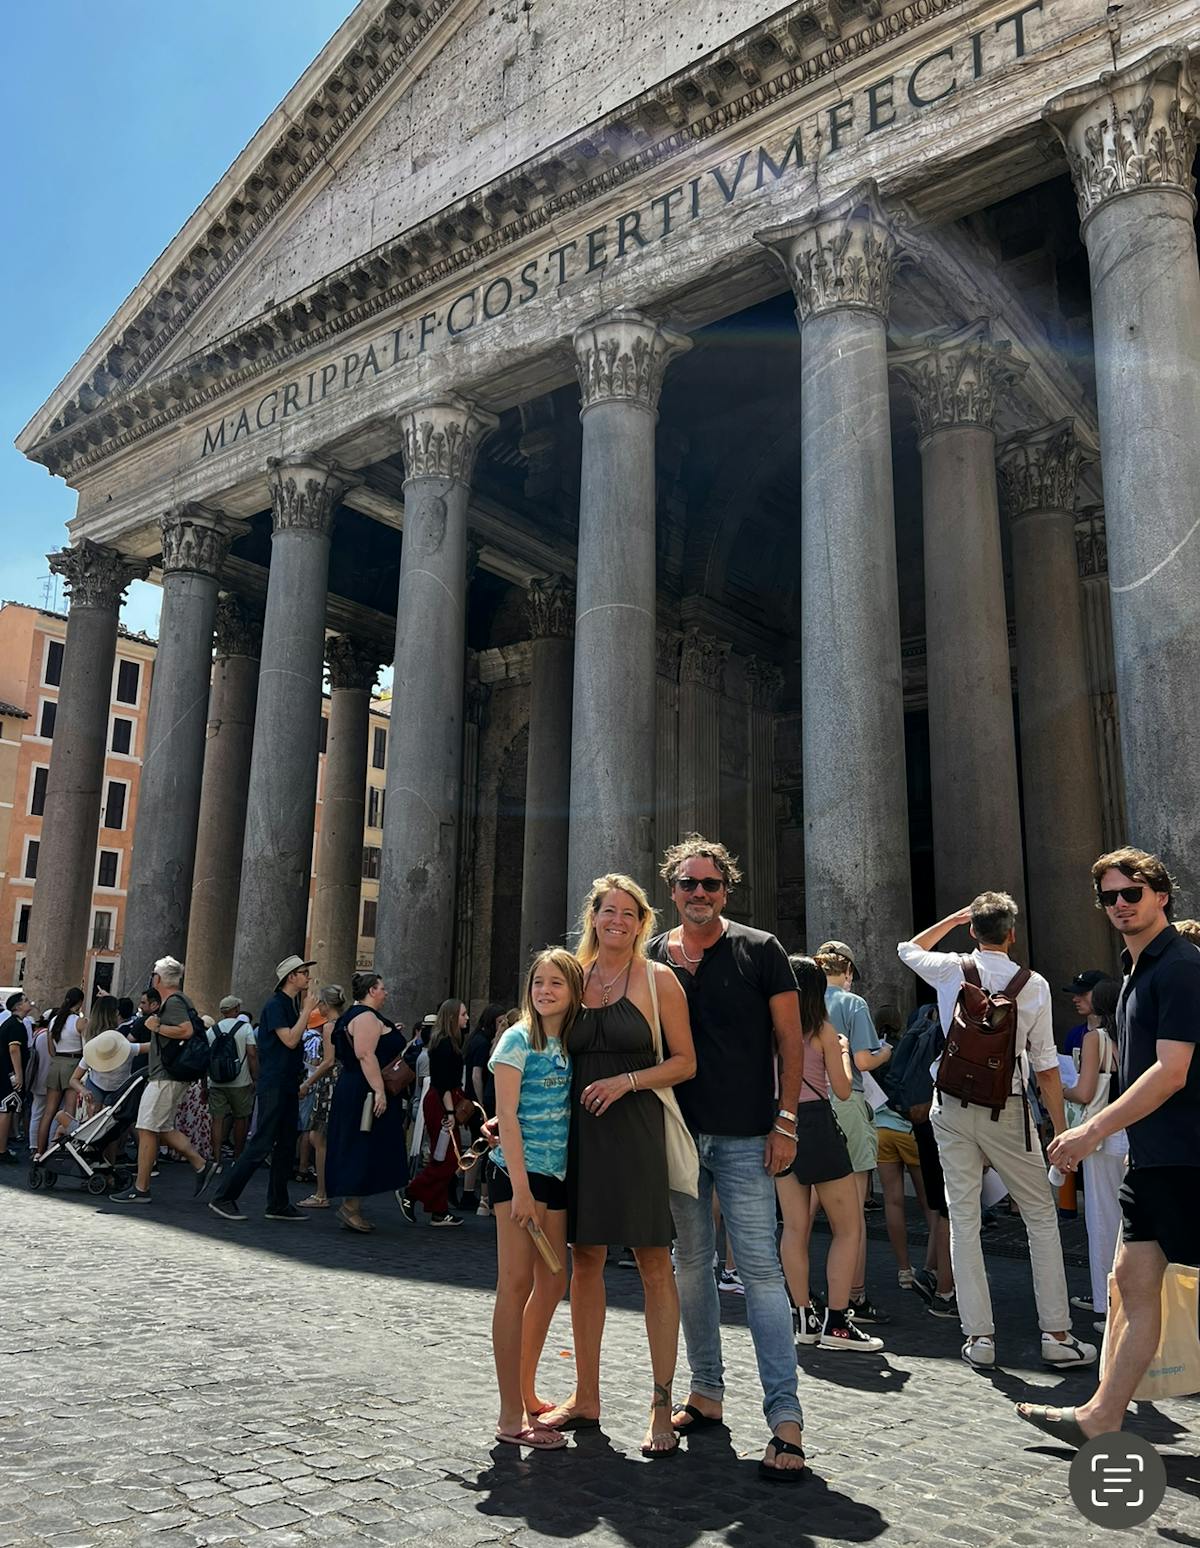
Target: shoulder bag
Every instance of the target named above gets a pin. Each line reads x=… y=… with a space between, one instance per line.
x=683 y=1161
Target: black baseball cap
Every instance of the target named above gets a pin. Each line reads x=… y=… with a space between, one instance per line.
x=1084 y=983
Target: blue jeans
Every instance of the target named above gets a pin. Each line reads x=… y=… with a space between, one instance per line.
x=734 y=1167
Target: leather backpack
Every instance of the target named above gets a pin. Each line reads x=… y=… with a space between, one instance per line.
x=981 y=1045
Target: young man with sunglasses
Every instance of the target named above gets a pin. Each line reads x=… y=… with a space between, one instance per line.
x=1158 y=1078
x=745 y=1017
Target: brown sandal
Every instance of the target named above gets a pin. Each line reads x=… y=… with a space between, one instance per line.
x=354 y=1222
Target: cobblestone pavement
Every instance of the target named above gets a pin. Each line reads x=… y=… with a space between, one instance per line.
x=172 y=1379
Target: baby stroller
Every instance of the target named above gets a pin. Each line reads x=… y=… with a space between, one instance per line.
x=81 y=1154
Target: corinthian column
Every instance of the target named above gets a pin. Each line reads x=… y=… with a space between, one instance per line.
x=282 y=799
x=1131 y=144
x=95 y=580
x=353 y=668
x=212 y=923
x=1038 y=477
x=765 y=680
x=551 y=610
x=424 y=784
x=701 y=682
x=956 y=379
x=621 y=359
x=195 y=541
x=840 y=261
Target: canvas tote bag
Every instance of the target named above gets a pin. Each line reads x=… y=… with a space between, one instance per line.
x=683 y=1162
x=1175 y=1369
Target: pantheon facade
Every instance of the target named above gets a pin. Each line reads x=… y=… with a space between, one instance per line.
x=777 y=422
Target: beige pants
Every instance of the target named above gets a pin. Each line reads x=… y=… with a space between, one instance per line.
x=967 y=1140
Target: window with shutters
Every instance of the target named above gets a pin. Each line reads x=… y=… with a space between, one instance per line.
x=46 y=719
x=37 y=790
x=129 y=677
x=108 y=867
x=52 y=671
x=114 y=804
x=122 y=734
x=369 y=910
x=370 y=866
x=379 y=748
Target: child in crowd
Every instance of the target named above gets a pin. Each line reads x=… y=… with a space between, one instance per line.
x=527 y=1180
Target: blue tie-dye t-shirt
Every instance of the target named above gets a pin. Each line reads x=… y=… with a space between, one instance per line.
x=544 y=1106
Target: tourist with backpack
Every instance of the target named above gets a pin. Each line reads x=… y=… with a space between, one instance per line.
x=997 y=1023
x=232 y=1075
x=178 y=1056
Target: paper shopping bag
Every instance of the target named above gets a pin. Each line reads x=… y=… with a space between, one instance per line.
x=1175 y=1369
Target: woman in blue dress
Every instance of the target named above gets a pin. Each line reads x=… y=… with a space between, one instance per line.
x=361 y=1162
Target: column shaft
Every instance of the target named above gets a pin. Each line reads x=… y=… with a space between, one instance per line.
x=281 y=802
x=544 y=919
x=621 y=360
x=1131 y=145
x=164 y=841
x=216 y=879
x=96 y=579
x=421 y=817
x=701 y=678
x=765 y=681
x=666 y=755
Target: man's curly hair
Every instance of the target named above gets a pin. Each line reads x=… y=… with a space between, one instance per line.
x=693 y=844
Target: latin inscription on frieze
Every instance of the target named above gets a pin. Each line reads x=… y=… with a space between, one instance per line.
x=890 y=100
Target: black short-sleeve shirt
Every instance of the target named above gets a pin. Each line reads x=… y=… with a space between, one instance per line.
x=729 y=995
x=279 y=1065
x=1160 y=1000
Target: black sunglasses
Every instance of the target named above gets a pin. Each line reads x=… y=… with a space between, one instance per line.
x=690 y=883
x=1128 y=894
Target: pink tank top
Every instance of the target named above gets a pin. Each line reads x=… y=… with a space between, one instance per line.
x=815 y=1073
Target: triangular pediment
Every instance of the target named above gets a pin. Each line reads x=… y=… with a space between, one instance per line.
x=421 y=128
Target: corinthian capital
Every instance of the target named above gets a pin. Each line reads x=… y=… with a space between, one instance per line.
x=844 y=255
x=96 y=576
x=304 y=495
x=352 y=662
x=1039 y=470
x=958 y=377
x=765 y=680
x=550 y=608
x=196 y=538
x=239 y=627
x=1130 y=130
x=703 y=660
x=622 y=358
x=1091 y=544
x=441 y=438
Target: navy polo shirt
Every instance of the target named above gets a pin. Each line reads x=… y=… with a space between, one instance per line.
x=279 y=1065
x=1160 y=1000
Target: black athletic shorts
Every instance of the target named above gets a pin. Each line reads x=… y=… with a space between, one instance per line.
x=931 y=1167
x=1162 y=1204
x=550 y=1191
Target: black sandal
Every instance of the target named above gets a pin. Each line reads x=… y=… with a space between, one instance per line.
x=696 y=1420
x=787 y=1475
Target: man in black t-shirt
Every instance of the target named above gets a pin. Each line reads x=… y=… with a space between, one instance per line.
x=280 y=1042
x=1158 y=1027
x=745 y=1017
x=14 y=1055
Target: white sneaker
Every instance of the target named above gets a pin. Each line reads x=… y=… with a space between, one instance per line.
x=731 y=1282
x=851 y=1336
x=1068 y=1351
x=980 y=1352
x=807 y=1325
x=905 y=1278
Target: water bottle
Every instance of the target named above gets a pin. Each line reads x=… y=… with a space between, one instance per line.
x=1056 y=1177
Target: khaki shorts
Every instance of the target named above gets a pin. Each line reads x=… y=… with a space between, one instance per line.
x=857 y=1124
x=62 y=1067
x=230 y=1101
x=894 y=1145
x=159 y=1104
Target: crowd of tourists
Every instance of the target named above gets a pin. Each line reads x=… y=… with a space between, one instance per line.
x=653 y=1084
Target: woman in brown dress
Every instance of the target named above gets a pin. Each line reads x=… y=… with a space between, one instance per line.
x=617 y=1159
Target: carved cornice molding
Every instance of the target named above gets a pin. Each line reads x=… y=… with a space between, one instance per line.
x=958 y=377
x=702 y=660
x=1134 y=129
x=352 y=663
x=1091 y=545
x=667 y=644
x=844 y=255
x=196 y=539
x=1038 y=470
x=754 y=73
x=440 y=439
x=622 y=357
x=765 y=680
x=95 y=576
x=304 y=495
x=550 y=608
x=239 y=627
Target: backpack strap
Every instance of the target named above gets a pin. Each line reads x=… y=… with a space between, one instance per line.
x=970 y=972
x=1017 y=982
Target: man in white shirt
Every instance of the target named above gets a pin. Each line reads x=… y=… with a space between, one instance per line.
x=968 y=1137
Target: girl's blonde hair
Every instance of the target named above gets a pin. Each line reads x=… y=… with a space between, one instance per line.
x=104 y=1017
x=560 y=958
x=589 y=944
x=448 y=1016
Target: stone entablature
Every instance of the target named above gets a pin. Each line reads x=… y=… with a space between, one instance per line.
x=772 y=78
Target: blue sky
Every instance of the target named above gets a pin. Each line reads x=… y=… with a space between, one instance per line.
x=122 y=116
